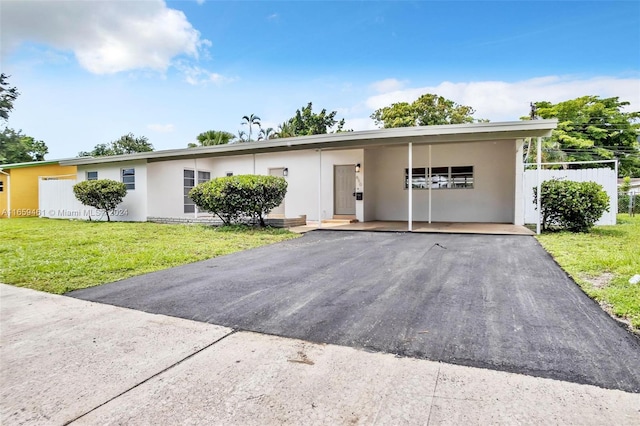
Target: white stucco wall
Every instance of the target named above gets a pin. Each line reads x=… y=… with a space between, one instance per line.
x=166 y=186
x=492 y=198
x=134 y=205
x=159 y=185
x=166 y=180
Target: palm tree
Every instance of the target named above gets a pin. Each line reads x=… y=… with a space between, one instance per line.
x=250 y=120
x=242 y=136
x=266 y=134
x=286 y=130
x=214 y=137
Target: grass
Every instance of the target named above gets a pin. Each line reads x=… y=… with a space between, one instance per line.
x=57 y=256
x=601 y=262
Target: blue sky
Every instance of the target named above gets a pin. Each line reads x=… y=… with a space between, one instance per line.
x=91 y=71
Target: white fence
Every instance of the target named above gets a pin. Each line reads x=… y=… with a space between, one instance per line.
x=603 y=176
x=56 y=200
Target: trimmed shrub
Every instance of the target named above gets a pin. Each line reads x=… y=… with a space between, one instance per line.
x=570 y=205
x=102 y=194
x=234 y=198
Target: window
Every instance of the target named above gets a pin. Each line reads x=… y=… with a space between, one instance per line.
x=1 y=186
x=229 y=174
x=129 y=178
x=418 y=178
x=204 y=177
x=92 y=175
x=453 y=177
x=189 y=181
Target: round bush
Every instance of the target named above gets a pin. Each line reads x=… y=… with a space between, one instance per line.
x=234 y=197
x=575 y=206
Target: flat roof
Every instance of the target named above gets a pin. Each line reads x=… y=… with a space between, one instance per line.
x=453 y=133
x=32 y=164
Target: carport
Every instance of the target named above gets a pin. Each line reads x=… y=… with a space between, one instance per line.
x=456 y=178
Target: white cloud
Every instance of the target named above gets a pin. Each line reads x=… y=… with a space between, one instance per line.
x=356 y=124
x=200 y=2
x=161 y=128
x=105 y=36
x=504 y=101
x=273 y=17
x=196 y=75
x=387 y=85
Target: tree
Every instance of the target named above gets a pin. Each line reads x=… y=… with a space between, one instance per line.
x=18 y=148
x=213 y=137
x=284 y=131
x=102 y=194
x=266 y=134
x=127 y=144
x=242 y=136
x=305 y=122
x=591 y=128
x=7 y=96
x=15 y=147
x=427 y=110
x=250 y=120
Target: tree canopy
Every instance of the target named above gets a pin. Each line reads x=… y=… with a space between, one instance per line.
x=16 y=147
x=427 y=110
x=126 y=144
x=306 y=122
x=592 y=128
x=7 y=96
x=213 y=137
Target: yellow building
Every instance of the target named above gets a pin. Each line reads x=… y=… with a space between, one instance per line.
x=19 y=185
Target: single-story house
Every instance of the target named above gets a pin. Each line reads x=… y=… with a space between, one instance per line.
x=449 y=173
x=19 y=195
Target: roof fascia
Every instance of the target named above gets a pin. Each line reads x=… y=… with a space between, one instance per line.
x=476 y=132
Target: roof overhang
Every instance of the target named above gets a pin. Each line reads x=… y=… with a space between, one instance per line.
x=30 y=164
x=455 y=133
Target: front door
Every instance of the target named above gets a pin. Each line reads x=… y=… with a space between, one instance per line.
x=344 y=188
x=278 y=211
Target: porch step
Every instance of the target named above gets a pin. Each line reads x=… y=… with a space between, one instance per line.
x=286 y=222
x=340 y=221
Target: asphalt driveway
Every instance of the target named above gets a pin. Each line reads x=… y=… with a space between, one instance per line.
x=489 y=301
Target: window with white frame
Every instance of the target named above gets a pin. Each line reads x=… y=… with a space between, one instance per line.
x=129 y=178
x=450 y=177
x=92 y=175
x=189 y=181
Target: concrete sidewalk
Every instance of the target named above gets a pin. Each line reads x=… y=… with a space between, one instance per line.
x=69 y=361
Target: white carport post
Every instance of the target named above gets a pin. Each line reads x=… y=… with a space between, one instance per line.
x=539 y=197
x=195 y=183
x=429 y=182
x=319 y=188
x=410 y=191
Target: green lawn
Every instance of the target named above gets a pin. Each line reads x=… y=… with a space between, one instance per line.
x=601 y=262
x=59 y=255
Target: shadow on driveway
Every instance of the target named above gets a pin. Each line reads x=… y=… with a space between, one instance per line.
x=489 y=301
